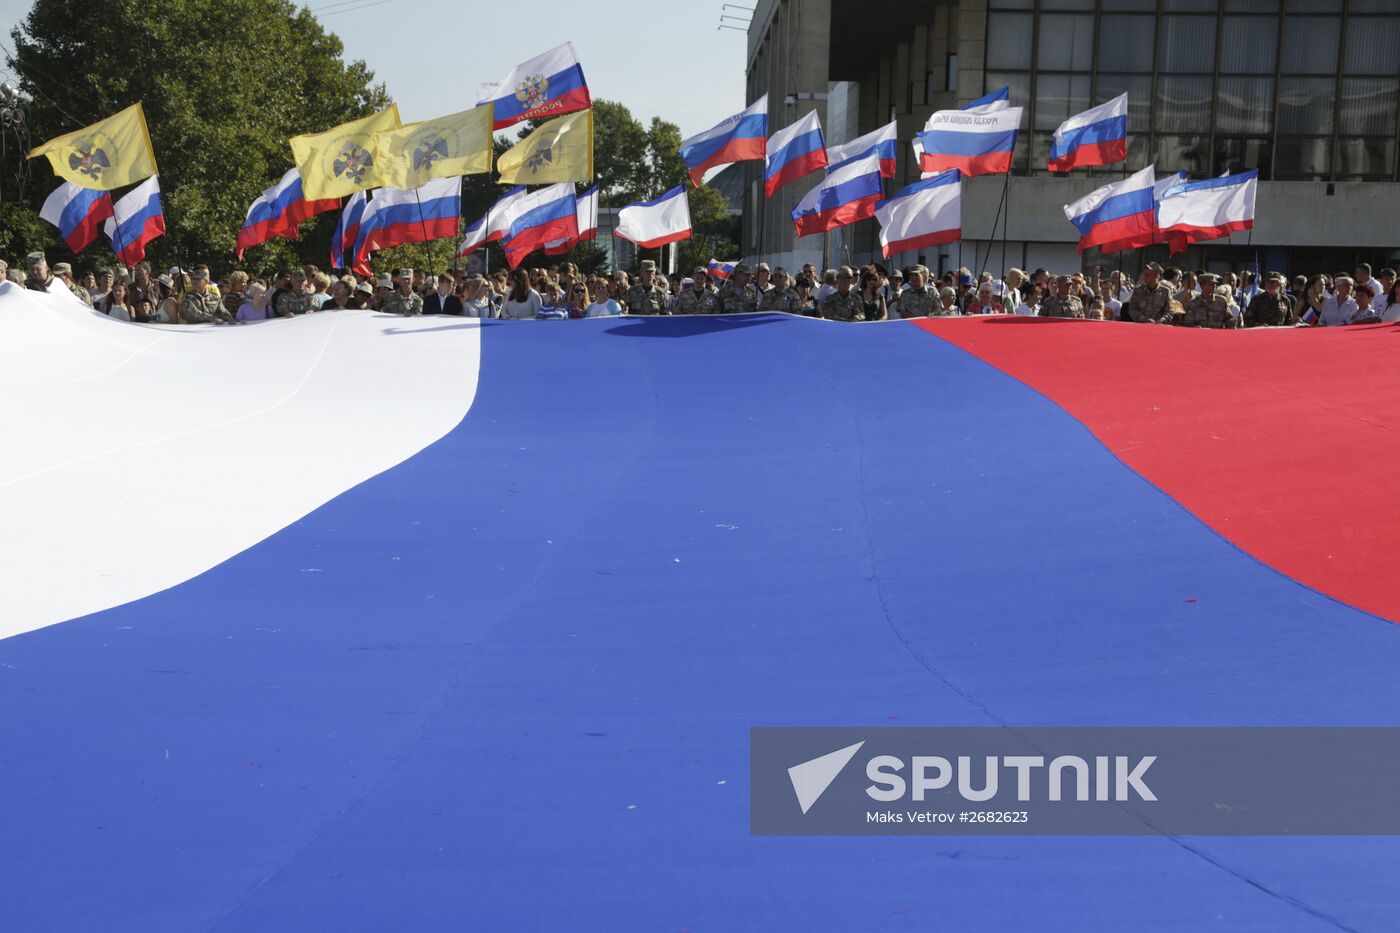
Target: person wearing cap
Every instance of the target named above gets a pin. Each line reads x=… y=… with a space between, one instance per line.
x=762 y=277
x=739 y=295
x=894 y=284
x=403 y=299
x=965 y=288
x=38 y=278
x=363 y=296
x=918 y=299
x=63 y=274
x=646 y=296
x=200 y=305
x=781 y=297
x=1151 y=301
x=843 y=304
x=1210 y=308
x=1271 y=307
x=689 y=300
x=1062 y=303
x=297 y=298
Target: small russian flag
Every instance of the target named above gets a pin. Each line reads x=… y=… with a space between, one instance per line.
x=721 y=270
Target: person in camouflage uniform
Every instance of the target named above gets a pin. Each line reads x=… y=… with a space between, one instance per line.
x=39 y=278
x=64 y=273
x=1209 y=308
x=918 y=300
x=1151 y=301
x=646 y=296
x=296 y=299
x=403 y=299
x=738 y=296
x=843 y=304
x=688 y=301
x=1062 y=303
x=202 y=306
x=782 y=296
x=1271 y=307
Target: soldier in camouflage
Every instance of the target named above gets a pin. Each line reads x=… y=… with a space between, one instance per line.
x=1151 y=301
x=782 y=296
x=202 y=306
x=297 y=299
x=918 y=300
x=688 y=301
x=1209 y=308
x=646 y=296
x=38 y=279
x=738 y=296
x=64 y=273
x=403 y=299
x=843 y=304
x=1271 y=307
x=1062 y=303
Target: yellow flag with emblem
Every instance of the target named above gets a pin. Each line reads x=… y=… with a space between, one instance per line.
x=341 y=161
x=109 y=154
x=558 y=150
x=415 y=153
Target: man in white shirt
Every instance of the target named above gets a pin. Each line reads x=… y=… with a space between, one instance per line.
x=1363 y=277
x=1339 y=308
x=827 y=287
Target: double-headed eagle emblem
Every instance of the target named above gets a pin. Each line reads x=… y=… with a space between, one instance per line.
x=429 y=150
x=89 y=158
x=532 y=91
x=353 y=161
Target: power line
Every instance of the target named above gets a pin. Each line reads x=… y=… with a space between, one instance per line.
x=354 y=9
x=14 y=63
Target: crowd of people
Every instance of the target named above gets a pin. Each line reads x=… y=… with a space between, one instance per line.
x=870 y=293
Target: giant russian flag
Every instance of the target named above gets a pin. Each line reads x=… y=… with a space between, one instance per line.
x=882 y=141
x=846 y=195
x=347 y=229
x=655 y=223
x=545 y=216
x=1098 y=136
x=279 y=211
x=1207 y=210
x=975 y=142
x=413 y=216
x=547 y=85
x=136 y=220
x=1118 y=216
x=587 y=224
x=77 y=212
x=738 y=138
x=925 y=213
x=794 y=151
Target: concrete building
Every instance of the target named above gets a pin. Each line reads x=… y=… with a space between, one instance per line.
x=1304 y=90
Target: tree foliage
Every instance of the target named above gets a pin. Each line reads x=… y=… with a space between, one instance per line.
x=224 y=84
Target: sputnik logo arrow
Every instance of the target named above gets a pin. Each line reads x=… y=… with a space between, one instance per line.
x=811 y=778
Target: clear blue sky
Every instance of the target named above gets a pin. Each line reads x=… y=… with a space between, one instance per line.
x=662 y=58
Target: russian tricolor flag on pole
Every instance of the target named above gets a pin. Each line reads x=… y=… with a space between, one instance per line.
x=279 y=211
x=413 y=215
x=1118 y=216
x=1098 y=136
x=882 y=141
x=136 y=220
x=587 y=224
x=1207 y=210
x=473 y=238
x=721 y=270
x=926 y=213
x=548 y=215
x=78 y=213
x=650 y=224
x=975 y=142
x=734 y=139
x=794 y=151
x=847 y=194
x=503 y=213
x=347 y=229
x=548 y=85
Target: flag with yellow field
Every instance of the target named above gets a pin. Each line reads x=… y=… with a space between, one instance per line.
x=341 y=160
x=415 y=153
x=557 y=151
x=111 y=153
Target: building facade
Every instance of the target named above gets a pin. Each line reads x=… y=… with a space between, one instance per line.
x=1306 y=91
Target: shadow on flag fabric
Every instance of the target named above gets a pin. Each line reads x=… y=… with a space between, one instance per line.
x=78 y=213
x=587 y=224
x=975 y=142
x=655 y=223
x=883 y=141
x=347 y=229
x=1207 y=210
x=1118 y=216
x=738 y=138
x=112 y=153
x=1098 y=136
x=548 y=85
x=544 y=216
x=925 y=213
x=451 y=146
x=794 y=151
x=846 y=195
x=279 y=211
x=136 y=220
x=340 y=161
x=557 y=151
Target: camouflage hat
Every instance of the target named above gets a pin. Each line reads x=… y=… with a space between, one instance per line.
x=701 y=270
x=33 y=259
x=405 y=273
x=198 y=275
x=1154 y=267
x=62 y=268
x=742 y=267
x=365 y=287
x=386 y=282
x=1063 y=280
x=648 y=265
x=1208 y=278
x=1275 y=277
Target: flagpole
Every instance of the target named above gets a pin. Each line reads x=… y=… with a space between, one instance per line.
x=423 y=226
x=1005 y=232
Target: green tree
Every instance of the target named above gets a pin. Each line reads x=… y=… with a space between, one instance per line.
x=224 y=84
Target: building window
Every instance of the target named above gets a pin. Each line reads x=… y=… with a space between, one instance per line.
x=1009 y=40
x=1306 y=106
x=1300 y=158
x=1366 y=159
x=1183 y=105
x=1058 y=97
x=1310 y=45
x=1187 y=44
x=1122 y=41
x=1066 y=42
x=952 y=82
x=1373 y=45
x=1244 y=105
x=1368 y=106
x=1249 y=45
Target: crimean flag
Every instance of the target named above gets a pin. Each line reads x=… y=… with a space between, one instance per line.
x=112 y=153
x=341 y=160
x=415 y=153
x=557 y=151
